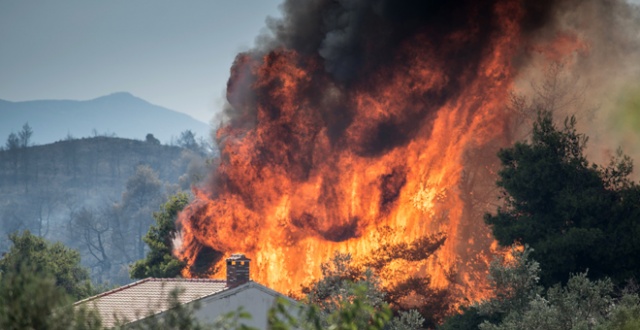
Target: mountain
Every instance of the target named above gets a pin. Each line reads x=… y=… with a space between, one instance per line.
x=121 y=114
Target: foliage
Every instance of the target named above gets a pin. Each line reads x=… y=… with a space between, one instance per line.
x=13 y=142
x=53 y=310
x=339 y=282
x=355 y=313
x=625 y=315
x=25 y=135
x=46 y=259
x=520 y=303
x=406 y=320
x=142 y=188
x=575 y=215
x=151 y=139
x=431 y=303
x=160 y=261
x=143 y=194
x=514 y=283
x=30 y=299
x=582 y=304
x=67 y=191
x=467 y=318
x=187 y=140
x=343 y=282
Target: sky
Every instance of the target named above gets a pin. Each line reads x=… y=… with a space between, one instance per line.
x=175 y=54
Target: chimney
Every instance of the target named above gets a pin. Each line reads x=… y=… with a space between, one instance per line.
x=237 y=270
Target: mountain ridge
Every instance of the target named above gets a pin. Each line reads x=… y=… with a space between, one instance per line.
x=120 y=113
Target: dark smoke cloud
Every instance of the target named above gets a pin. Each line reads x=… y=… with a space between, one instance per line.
x=351 y=35
x=353 y=39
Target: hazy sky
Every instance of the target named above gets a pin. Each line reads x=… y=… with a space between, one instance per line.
x=171 y=53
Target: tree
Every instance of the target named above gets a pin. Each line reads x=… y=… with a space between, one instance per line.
x=91 y=230
x=43 y=259
x=515 y=283
x=413 y=292
x=468 y=318
x=625 y=315
x=521 y=303
x=197 y=169
x=30 y=299
x=43 y=202
x=340 y=278
x=13 y=142
x=143 y=194
x=160 y=261
x=343 y=282
x=25 y=135
x=187 y=140
x=13 y=148
x=152 y=139
x=25 y=139
x=354 y=313
x=574 y=214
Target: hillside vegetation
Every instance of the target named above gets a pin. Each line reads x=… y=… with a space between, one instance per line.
x=94 y=194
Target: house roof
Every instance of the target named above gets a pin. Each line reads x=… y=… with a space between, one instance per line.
x=148 y=297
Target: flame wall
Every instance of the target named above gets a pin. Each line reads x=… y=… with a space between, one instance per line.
x=356 y=124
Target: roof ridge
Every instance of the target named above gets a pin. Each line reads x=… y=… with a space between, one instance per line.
x=151 y=279
x=181 y=279
x=112 y=291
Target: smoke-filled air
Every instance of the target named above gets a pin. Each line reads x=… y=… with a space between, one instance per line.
x=372 y=127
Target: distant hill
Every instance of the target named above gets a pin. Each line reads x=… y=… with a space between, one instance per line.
x=73 y=191
x=121 y=114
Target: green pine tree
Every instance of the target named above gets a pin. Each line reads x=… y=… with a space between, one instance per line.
x=160 y=261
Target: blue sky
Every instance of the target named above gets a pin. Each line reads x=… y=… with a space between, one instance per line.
x=176 y=54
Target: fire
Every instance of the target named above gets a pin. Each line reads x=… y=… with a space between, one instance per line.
x=401 y=152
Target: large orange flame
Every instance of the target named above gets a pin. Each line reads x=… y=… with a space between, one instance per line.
x=292 y=187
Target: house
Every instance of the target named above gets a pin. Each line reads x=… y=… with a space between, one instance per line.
x=215 y=297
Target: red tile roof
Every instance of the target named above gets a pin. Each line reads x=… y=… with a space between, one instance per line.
x=147 y=297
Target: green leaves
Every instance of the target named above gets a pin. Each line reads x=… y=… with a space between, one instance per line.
x=568 y=210
x=351 y=314
x=38 y=283
x=347 y=296
x=47 y=259
x=160 y=261
x=521 y=303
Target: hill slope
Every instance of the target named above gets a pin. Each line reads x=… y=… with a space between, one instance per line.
x=121 y=114
x=93 y=193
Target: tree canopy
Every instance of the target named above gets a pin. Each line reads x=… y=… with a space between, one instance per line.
x=13 y=142
x=33 y=254
x=143 y=194
x=25 y=135
x=31 y=299
x=520 y=302
x=346 y=288
x=575 y=215
x=160 y=261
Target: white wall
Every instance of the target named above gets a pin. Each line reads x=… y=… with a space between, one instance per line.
x=253 y=300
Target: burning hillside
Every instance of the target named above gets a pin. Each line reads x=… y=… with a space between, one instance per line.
x=371 y=127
